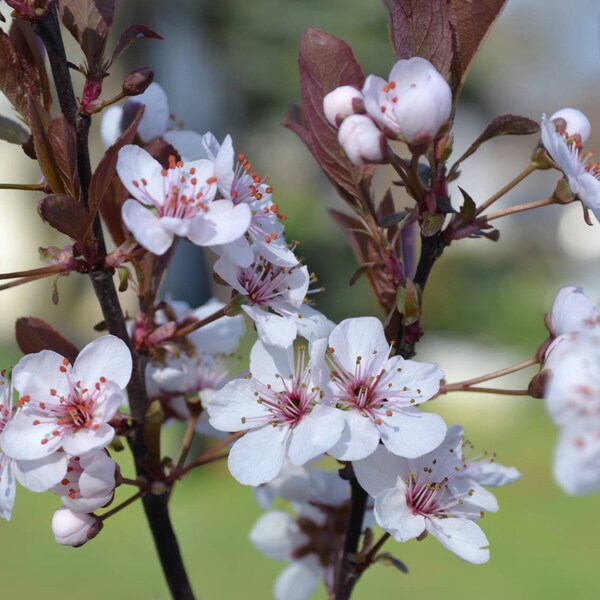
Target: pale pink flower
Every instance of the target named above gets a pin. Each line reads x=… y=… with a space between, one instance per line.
x=439 y=493
x=414 y=104
x=361 y=140
x=275 y=297
x=379 y=393
x=89 y=482
x=581 y=176
x=72 y=528
x=575 y=123
x=178 y=201
x=341 y=103
x=279 y=404
x=64 y=406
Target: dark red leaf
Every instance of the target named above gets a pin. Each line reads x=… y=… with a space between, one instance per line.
x=132 y=33
x=106 y=169
x=35 y=335
x=11 y=75
x=422 y=28
x=470 y=22
x=326 y=62
x=65 y=214
x=61 y=138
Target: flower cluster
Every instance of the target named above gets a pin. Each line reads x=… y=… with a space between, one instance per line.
x=55 y=436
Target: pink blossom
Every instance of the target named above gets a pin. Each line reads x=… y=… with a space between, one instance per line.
x=361 y=140
x=72 y=528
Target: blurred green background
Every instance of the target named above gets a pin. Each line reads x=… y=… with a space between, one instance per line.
x=231 y=67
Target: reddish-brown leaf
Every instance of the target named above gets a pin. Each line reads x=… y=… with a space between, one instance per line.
x=132 y=33
x=107 y=167
x=422 y=28
x=326 y=62
x=470 y=20
x=11 y=75
x=65 y=214
x=367 y=251
x=61 y=138
x=35 y=335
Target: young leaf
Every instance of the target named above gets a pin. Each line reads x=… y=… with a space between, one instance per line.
x=467 y=210
x=35 y=335
x=12 y=132
x=422 y=28
x=392 y=219
x=132 y=33
x=327 y=62
x=65 y=214
x=61 y=138
x=11 y=75
x=387 y=559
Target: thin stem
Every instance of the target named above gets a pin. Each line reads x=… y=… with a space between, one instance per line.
x=50 y=270
x=531 y=167
x=463 y=385
x=487 y=390
x=376 y=548
x=12 y=284
x=121 y=506
x=198 y=324
x=203 y=458
x=133 y=482
x=520 y=208
x=187 y=440
x=32 y=187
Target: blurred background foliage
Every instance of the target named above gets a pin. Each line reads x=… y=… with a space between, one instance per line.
x=231 y=67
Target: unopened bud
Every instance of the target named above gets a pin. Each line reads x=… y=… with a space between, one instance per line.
x=341 y=103
x=137 y=81
x=74 y=528
x=572 y=122
x=361 y=140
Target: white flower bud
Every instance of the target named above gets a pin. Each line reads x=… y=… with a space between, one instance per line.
x=414 y=103
x=576 y=123
x=74 y=528
x=361 y=140
x=342 y=102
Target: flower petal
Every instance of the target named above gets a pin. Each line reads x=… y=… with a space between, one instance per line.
x=359 y=439
x=380 y=471
x=299 y=580
x=82 y=441
x=145 y=227
x=394 y=516
x=24 y=440
x=234 y=407
x=223 y=223
x=106 y=357
x=42 y=474
x=272 y=329
x=276 y=535
x=136 y=165
x=461 y=536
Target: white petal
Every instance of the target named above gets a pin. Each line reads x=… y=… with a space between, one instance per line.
x=394 y=516
x=82 y=441
x=42 y=474
x=315 y=434
x=573 y=311
x=98 y=477
x=8 y=488
x=106 y=357
x=22 y=440
x=380 y=471
x=412 y=433
x=156 y=115
x=491 y=473
x=233 y=407
x=223 y=223
x=187 y=143
x=228 y=272
x=224 y=167
x=268 y=361
x=258 y=456
x=272 y=329
x=145 y=227
x=311 y=324
x=359 y=439
x=474 y=494
x=276 y=535
x=461 y=536
x=220 y=336
x=110 y=126
x=36 y=374
x=416 y=375
x=135 y=164
x=299 y=580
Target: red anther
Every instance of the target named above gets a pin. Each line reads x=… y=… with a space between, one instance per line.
x=382 y=109
x=388 y=412
x=135 y=183
x=171 y=162
x=43 y=442
x=69 y=470
x=258 y=196
x=95 y=427
x=256 y=179
x=102 y=379
x=179 y=164
x=65 y=481
x=247 y=166
x=211 y=180
x=193 y=171
x=395 y=99
x=269 y=190
x=330 y=350
x=275 y=208
x=42 y=404
x=53 y=392
x=377 y=421
x=163 y=172
x=253 y=190
x=241 y=157
x=144 y=183
x=182 y=179
x=62 y=369
x=36 y=422
x=97 y=386
x=193 y=181
x=267 y=239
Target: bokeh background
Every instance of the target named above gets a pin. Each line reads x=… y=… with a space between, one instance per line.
x=231 y=67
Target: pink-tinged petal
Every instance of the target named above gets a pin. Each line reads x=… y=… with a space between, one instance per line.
x=145 y=227
x=258 y=456
x=36 y=374
x=278 y=253
x=276 y=535
x=228 y=272
x=411 y=433
x=222 y=335
x=266 y=362
x=29 y=436
x=42 y=474
x=589 y=192
x=107 y=357
x=82 y=441
x=8 y=488
x=135 y=164
x=86 y=505
x=492 y=474
x=573 y=311
x=362 y=337
x=394 y=516
x=374 y=98
x=380 y=471
x=359 y=439
x=234 y=407
x=109 y=403
x=238 y=252
x=224 y=167
x=461 y=536
x=577 y=458
x=187 y=143
x=98 y=477
x=211 y=145
x=300 y=579
x=298 y=282
x=422 y=378
x=156 y=114
x=74 y=528
x=474 y=494
x=110 y=126
x=223 y=223
x=175 y=226
x=311 y=324
x=272 y=329
x=315 y=434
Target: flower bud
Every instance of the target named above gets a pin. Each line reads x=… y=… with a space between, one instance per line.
x=74 y=528
x=414 y=104
x=361 y=140
x=342 y=102
x=137 y=81
x=572 y=122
